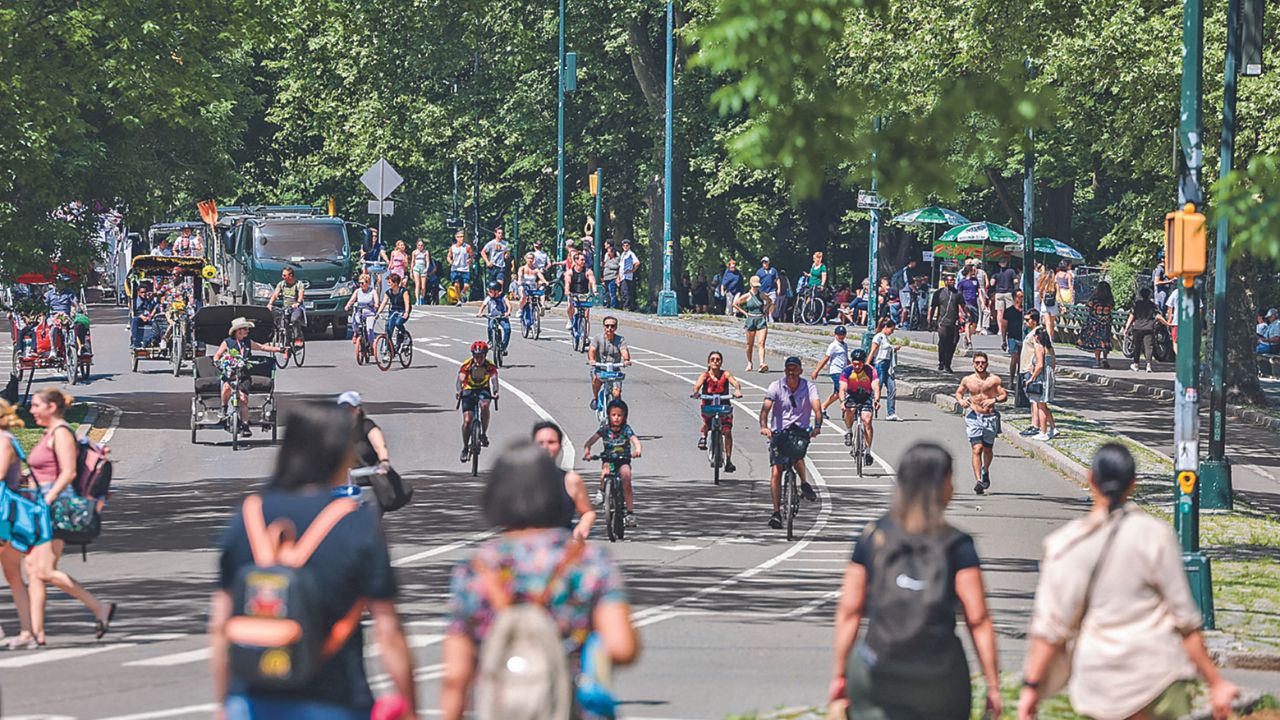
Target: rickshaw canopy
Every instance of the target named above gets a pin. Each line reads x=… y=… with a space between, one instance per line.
x=164 y=265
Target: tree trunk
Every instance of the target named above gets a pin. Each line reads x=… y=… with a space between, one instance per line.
x=1241 y=376
x=653 y=199
x=1056 y=204
x=1006 y=199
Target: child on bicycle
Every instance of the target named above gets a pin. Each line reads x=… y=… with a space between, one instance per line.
x=620 y=447
x=495 y=308
x=715 y=380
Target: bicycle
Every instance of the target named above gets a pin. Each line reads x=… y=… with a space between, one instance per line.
x=531 y=315
x=581 y=324
x=615 y=502
x=790 y=490
x=496 y=341
x=295 y=346
x=610 y=376
x=810 y=308
x=363 y=339
x=474 y=431
x=715 y=445
x=386 y=347
x=555 y=285
x=859 y=447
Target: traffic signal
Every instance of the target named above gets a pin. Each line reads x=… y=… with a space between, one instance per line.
x=1185 y=245
x=1251 y=37
x=593 y=182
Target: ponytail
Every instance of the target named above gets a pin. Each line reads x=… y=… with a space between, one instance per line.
x=1114 y=473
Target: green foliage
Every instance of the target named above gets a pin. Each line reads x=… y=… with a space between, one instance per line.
x=1250 y=201
x=1123 y=274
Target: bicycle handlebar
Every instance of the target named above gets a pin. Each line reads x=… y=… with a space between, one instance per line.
x=608 y=367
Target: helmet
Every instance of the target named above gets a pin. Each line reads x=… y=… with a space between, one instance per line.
x=495 y=286
x=620 y=404
x=479 y=347
x=858 y=355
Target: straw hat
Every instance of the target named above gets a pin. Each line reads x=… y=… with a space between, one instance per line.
x=241 y=323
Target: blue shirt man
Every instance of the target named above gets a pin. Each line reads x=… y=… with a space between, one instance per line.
x=768 y=278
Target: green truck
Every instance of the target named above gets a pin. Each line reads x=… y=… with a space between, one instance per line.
x=256 y=242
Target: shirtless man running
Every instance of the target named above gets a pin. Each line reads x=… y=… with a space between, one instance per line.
x=978 y=394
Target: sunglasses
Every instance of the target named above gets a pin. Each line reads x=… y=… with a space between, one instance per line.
x=611 y=325
x=715 y=360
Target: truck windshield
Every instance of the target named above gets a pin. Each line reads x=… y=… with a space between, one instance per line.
x=300 y=240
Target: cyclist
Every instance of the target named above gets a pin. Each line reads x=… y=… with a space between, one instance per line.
x=477 y=384
x=620 y=443
x=579 y=281
x=64 y=306
x=396 y=302
x=608 y=347
x=291 y=294
x=529 y=278
x=860 y=396
x=365 y=302
x=790 y=415
x=239 y=342
x=715 y=380
x=495 y=308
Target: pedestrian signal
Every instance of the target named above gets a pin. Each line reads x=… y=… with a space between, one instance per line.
x=1187 y=481
x=1184 y=244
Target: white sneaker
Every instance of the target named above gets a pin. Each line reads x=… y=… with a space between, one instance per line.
x=568 y=324
x=1148 y=367
x=629 y=520
x=1052 y=434
x=1133 y=367
x=1041 y=437
x=599 y=498
x=892 y=418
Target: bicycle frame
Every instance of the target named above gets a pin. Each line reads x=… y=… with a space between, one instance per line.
x=615 y=503
x=715 y=447
x=610 y=376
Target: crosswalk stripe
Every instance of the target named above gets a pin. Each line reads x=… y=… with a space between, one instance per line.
x=181 y=658
x=47 y=656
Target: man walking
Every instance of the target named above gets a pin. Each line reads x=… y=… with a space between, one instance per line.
x=770 y=283
x=494 y=254
x=460 y=254
x=1011 y=322
x=1004 y=284
x=730 y=286
x=978 y=394
x=946 y=310
x=900 y=283
x=627 y=264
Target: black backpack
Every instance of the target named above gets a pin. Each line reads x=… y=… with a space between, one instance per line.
x=911 y=593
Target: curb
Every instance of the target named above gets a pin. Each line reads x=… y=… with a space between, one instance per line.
x=101 y=420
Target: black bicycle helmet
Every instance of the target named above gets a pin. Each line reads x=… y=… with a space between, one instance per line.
x=620 y=404
x=495 y=286
x=858 y=355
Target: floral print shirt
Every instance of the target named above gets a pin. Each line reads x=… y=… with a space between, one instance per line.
x=524 y=563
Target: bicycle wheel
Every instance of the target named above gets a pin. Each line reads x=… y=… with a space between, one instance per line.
x=382 y=352
x=299 y=350
x=555 y=294
x=362 y=353
x=71 y=357
x=475 y=444
x=281 y=340
x=610 y=510
x=233 y=423
x=814 y=311
x=404 y=348
x=619 y=507
x=175 y=352
x=717 y=451
x=788 y=510
x=526 y=321
x=859 y=449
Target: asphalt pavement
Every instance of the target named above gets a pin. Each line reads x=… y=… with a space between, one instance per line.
x=734 y=618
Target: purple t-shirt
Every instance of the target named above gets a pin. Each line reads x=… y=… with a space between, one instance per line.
x=968 y=288
x=791 y=408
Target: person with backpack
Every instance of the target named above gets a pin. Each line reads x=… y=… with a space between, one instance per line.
x=533 y=594
x=10 y=558
x=1114 y=620
x=908 y=572
x=54 y=464
x=300 y=565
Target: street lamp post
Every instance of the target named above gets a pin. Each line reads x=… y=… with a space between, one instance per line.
x=597 y=189
x=873 y=250
x=560 y=80
x=667 y=306
x=1028 y=245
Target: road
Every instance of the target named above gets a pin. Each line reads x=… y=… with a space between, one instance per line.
x=733 y=617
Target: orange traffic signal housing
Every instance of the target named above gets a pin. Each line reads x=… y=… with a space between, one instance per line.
x=1185 y=243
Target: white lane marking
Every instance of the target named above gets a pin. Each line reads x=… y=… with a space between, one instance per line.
x=46 y=656
x=425 y=672
x=408 y=559
x=171 y=712
x=413 y=641
x=155 y=637
x=181 y=658
x=111 y=430
x=678 y=548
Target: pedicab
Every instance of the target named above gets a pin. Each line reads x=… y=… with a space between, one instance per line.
x=47 y=340
x=177 y=284
x=254 y=376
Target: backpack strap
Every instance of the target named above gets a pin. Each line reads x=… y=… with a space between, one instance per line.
x=571 y=555
x=297 y=554
x=265 y=541
x=17 y=448
x=500 y=599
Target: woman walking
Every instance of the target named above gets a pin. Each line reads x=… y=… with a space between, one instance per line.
x=398 y=262
x=884 y=356
x=1065 y=280
x=1142 y=322
x=911 y=665
x=1095 y=335
x=610 y=266
x=755 y=306
x=535 y=559
x=421 y=260
x=53 y=467
x=10 y=559
x=1040 y=363
x=1048 y=297
x=701 y=297
x=1113 y=583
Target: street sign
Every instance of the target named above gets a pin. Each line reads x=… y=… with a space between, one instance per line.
x=928 y=256
x=869 y=200
x=381 y=179
x=385 y=207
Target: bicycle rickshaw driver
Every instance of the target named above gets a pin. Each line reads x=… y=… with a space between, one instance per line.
x=142 y=326
x=790 y=416
x=63 y=303
x=292 y=295
x=239 y=344
x=477 y=384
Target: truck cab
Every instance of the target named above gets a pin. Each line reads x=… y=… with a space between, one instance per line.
x=259 y=242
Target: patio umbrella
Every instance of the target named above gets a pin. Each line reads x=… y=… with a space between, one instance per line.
x=1049 y=246
x=983 y=232
x=931 y=215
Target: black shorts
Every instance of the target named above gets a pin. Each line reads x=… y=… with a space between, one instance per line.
x=864 y=404
x=471 y=398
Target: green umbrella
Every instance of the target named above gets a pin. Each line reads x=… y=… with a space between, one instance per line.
x=1049 y=246
x=981 y=232
x=932 y=215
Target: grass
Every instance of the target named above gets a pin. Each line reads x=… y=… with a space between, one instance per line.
x=28 y=436
x=1078 y=438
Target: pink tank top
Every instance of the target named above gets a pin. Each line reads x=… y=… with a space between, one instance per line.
x=398 y=262
x=43 y=461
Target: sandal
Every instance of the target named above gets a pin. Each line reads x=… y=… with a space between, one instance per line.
x=19 y=643
x=101 y=626
x=748 y=367
x=702 y=443
x=764 y=368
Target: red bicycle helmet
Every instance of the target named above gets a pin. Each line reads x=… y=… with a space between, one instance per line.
x=479 y=347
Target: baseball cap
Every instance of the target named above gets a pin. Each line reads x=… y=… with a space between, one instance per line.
x=841 y=330
x=764 y=259
x=793 y=360
x=1273 y=312
x=350 y=397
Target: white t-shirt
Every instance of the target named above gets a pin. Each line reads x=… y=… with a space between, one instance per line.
x=540 y=260
x=459 y=258
x=1171 y=303
x=627 y=265
x=884 y=349
x=837 y=357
